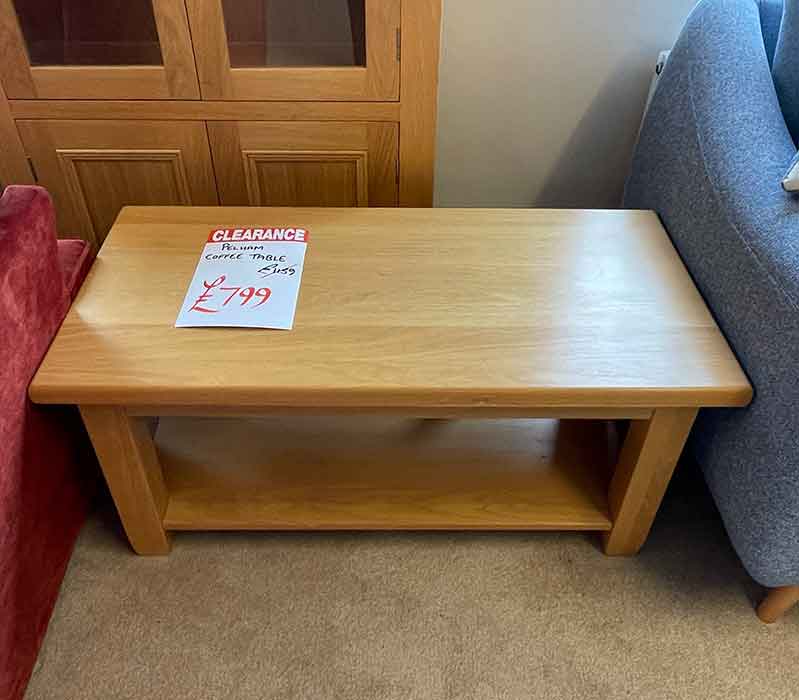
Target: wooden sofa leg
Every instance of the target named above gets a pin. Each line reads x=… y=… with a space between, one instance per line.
x=777 y=603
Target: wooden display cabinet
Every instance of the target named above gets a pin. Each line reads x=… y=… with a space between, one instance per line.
x=246 y=102
x=243 y=60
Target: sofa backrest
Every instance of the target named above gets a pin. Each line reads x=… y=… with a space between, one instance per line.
x=785 y=69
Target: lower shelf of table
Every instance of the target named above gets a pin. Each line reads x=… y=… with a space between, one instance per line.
x=385 y=474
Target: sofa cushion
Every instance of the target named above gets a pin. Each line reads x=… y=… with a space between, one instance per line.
x=786 y=66
x=75 y=259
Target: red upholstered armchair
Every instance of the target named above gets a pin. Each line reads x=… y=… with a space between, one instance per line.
x=45 y=475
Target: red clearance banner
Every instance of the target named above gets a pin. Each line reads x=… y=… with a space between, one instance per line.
x=234 y=235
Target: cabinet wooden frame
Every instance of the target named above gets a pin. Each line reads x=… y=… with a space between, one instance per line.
x=379 y=80
x=358 y=159
x=175 y=79
x=373 y=147
x=14 y=166
x=207 y=110
x=69 y=160
x=421 y=38
x=176 y=152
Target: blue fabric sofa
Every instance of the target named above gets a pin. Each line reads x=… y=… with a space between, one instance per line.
x=713 y=150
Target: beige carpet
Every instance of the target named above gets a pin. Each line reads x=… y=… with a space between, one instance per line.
x=406 y=616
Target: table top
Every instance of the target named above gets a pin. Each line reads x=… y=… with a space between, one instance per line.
x=406 y=308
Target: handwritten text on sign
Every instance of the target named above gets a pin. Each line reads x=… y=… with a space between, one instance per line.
x=247 y=278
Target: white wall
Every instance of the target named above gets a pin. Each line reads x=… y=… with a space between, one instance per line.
x=540 y=100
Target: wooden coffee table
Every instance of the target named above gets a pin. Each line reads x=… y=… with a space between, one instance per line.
x=449 y=369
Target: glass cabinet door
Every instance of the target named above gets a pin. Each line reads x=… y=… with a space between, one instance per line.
x=297 y=49
x=102 y=49
x=293 y=33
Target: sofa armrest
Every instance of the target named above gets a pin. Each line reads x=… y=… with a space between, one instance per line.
x=45 y=480
x=33 y=298
x=710 y=159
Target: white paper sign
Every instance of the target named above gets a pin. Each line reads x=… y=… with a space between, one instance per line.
x=246 y=278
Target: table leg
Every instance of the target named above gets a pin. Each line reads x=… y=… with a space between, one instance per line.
x=648 y=457
x=777 y=603
x=129 y=460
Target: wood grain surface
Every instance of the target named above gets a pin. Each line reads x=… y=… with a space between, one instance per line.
x=93 y=168
x=14 y=166
x=238 y=146
x=421 y=37
x=210 y=110
x=130 y=464
x=647 y=461
x=343 y=474
x=446 y=309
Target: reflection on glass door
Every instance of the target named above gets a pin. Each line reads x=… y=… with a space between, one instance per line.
x=89 y=32
x=295 y=33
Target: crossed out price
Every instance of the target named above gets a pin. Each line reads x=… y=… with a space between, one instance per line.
x=242 y=295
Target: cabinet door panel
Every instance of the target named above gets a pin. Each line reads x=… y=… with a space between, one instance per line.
x=297 y=49
x=306 y=178
x=97 y=49
x=306 y=163
x=94 y=168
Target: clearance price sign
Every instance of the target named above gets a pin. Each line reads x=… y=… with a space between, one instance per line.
x=246 y=278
